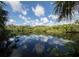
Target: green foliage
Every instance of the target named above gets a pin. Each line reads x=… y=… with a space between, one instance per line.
x=44 y=30
x=3 y=19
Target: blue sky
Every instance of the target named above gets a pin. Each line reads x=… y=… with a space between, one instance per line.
x=33 y=13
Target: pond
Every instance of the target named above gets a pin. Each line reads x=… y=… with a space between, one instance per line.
x=40 y=45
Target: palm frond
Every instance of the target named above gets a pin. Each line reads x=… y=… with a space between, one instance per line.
x=65 y=8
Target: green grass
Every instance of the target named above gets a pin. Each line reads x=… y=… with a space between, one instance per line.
x=44 y=30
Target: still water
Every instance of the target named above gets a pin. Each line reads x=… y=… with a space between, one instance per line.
x=40 y=45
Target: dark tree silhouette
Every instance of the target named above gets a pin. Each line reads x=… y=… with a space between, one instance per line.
x=3 y=19
x=4 y=50
x=66 y=9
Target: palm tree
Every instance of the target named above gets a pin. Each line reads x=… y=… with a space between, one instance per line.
x=3 y=33
x=66 y=9
x=77 y=21
x=3 y=19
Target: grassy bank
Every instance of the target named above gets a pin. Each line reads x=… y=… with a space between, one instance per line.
x=44 y=30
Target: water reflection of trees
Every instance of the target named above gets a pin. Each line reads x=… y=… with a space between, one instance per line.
x=71 y=36
x=39 y=48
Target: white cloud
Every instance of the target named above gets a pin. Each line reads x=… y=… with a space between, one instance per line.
x=38 y=10
x=17 y=7
x=11 y=22
x=25 y=19
x=22 y=17
x=67 y=22
x=24 y=24
x=51 y=3
x=29 y=17
x=39 y=22
x=53 y=16
x=44 y=20
x=24 y=12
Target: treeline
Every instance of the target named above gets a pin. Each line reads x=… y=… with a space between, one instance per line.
x=44 y=30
